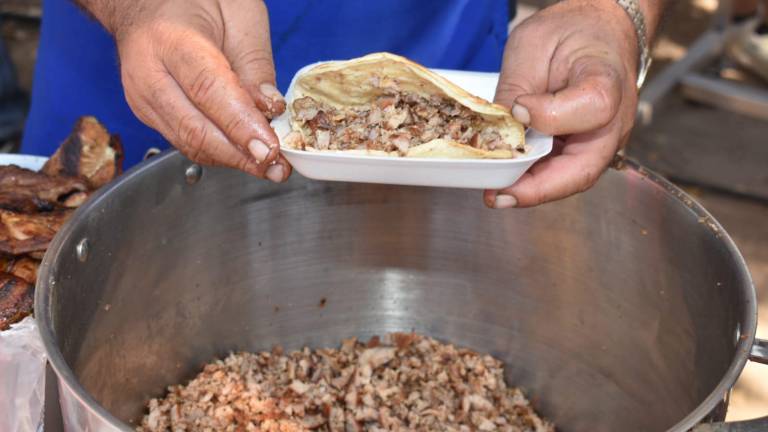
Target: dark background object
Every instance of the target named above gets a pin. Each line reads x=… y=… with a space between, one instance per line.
x=707 y=146
x=13 y=101
x=19 y=34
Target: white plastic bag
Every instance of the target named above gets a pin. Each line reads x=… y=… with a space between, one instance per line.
x=22 y=377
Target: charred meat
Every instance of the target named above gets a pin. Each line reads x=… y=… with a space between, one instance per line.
x=395 y=122
x=89 y=153
x=36 y=255
x=35 y=205
x=22 y=233
x=23 y=190
x=24 y=267
x=16 y=299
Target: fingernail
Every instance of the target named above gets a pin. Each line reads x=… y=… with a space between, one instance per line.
x=258 y=149
x=271 y=92
x=521 y=114
x=275 y=173
x=503 y=201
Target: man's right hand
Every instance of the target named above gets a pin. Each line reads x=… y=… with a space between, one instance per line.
x=201 y=73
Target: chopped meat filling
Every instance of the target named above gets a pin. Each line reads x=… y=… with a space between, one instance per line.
x=401 y=382
x=396 y=121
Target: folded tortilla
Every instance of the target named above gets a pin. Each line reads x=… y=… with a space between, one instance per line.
x=386 y=105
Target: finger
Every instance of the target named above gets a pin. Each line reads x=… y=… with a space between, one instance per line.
x=166 y=108
x=280 y=171
x=205 y=76
x=589 y=101
x=584 y=158
x=525 y=67
x=249 y=50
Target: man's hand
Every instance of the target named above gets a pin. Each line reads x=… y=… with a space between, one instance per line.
x=201 y=73
x=570 y=71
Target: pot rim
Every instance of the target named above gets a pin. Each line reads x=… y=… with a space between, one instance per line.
x=67 y=378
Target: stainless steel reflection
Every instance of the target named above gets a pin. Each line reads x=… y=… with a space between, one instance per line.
x=625 y=308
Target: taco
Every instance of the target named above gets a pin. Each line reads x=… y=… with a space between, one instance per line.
x=386 y=105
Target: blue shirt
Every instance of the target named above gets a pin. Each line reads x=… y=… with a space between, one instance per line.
x=77 y=71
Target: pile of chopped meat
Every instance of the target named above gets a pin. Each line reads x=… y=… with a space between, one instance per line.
x=395 y=121
x=405 y=382
x=34 y=206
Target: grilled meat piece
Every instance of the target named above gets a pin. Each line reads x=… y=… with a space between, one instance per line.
x=76 y=199
x=24 y=233
x=6 y=262
x=89 y=152
x=16 y=299
x=23 y=202
x=26 y=191
x=24 y=267
x=37 y=255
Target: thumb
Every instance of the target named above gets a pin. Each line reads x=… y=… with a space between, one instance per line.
x=524 y=68
x=247 y=46
x=589 y=101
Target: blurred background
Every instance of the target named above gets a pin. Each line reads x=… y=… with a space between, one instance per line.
x=703 y=123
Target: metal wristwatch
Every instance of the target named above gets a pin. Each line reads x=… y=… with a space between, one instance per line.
x=632 y=7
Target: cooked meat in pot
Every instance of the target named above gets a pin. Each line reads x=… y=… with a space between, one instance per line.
x=404 y=382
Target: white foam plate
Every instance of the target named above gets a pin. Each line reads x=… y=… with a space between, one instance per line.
x=30 y=162
x=455 y=173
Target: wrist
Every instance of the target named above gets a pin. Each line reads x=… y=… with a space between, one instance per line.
x=113 y=15
x=650 y=9
x=634 y=13
x=617 y=26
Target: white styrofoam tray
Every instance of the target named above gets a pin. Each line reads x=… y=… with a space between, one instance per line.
x=456 y=173
x=30 y=162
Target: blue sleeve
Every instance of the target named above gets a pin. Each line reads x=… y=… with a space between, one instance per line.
x=450 y=34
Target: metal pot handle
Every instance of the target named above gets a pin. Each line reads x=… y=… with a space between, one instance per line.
x=151 y=152
x=759 y=354
x=759 y=351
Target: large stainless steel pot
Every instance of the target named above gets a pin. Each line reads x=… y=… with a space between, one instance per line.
x=627 y=308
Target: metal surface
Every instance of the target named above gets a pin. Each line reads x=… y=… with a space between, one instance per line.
x=82 y=250
x=193 y=174
x=52 y=421
x=758 y=425
x=714 y=91
x=760 y=352
x=617 y=309
x=740 y=98
x=151 y=152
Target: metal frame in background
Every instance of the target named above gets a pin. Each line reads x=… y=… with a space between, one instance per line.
x=696 y=86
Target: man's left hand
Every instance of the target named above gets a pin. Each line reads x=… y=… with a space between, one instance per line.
x=569 y=71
